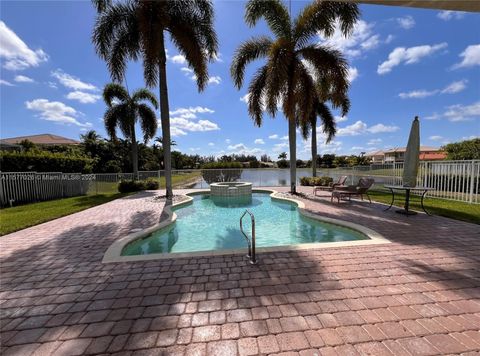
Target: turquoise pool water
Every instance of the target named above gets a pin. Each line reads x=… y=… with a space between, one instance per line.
x=206 y=225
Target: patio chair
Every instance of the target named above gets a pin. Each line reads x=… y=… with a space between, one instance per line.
x=364 y=184
x=328 y=188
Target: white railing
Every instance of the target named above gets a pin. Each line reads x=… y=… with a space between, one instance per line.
x=455 y=180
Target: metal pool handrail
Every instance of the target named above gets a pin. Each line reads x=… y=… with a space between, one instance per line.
x=251 y=244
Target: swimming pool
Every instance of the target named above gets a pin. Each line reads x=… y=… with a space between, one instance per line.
x=212 y=224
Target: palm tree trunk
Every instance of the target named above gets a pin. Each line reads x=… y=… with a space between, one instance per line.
x=314 y=148
x=165 y=119
x=292 y=140
x=134 y=154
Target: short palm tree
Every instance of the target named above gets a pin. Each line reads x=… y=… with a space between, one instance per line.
x=285 y=79
x=136 y=29
x=124 y=111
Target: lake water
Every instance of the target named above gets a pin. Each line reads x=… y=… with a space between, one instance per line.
x=274 y=177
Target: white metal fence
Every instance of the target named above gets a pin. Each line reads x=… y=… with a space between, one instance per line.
x=455 y=180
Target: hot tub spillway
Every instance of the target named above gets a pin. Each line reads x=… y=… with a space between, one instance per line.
x=231 y=194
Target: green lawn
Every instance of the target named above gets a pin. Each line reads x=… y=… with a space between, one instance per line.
x=448 y=208
x=23 y=216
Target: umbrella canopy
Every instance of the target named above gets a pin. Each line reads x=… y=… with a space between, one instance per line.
x=410 y=165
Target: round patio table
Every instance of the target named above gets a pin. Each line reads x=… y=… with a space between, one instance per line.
x=407 y=190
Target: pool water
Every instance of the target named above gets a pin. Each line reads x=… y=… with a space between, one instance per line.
x=206 y=225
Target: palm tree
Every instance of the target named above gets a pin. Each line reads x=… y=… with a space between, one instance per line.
x=124 y=111
x=285 y=79
x=133 y=29
x=328 y=126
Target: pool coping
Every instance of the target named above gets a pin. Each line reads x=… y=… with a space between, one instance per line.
x=113 y=253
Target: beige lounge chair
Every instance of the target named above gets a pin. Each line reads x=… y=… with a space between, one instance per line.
x=364 y=184
x=328 y=188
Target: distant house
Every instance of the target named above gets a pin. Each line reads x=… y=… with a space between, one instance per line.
x=398 y=155
x=40 y=140
x=376 y=156
x=426 y=154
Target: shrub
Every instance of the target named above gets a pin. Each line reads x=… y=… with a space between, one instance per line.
x=151 y=184
x=316 y=181
x=283 y=163
x=221 y=172
x=130 y=186
x=44 y=161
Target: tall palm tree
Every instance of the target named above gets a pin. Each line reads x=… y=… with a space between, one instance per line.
x=285 y=78
x=328 y=127
x=136 y=29
x=124 y=111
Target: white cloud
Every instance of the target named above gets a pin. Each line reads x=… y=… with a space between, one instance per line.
x=455 y=87
x=55 y=111
x=352 y=74
x=214 y=80
x=359 y=127
x=374 y=141
x=17 y=54
x=178 y=59
x=471 y=57
x=408 y=56
x=406 y=22
x=175 y=131
x=6 y=82
x=279 y=147
x=360 y=40
x=434 y=116
x=190 y=112
x=186 y=70
x=211 y=144
x=194 y=126
x=340 y=119
x=460 y=112
x=450 y=15
x=389 y=39
x=452 y=88
x=259 y=141
x=417 y=94
x=84 y=98
x=227 y=140
x=52 y=85
x=352 y=130
x=273 y=137
x=435 y=138
x=240 y=148
x=23 y=79
x=71 y=82
x=380 y=128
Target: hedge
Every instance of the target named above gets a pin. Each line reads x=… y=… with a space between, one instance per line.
x=44 y=162
x=316 y=181
x=221 y=172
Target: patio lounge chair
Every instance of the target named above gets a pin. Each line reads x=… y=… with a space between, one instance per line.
x=364 y=184
x=328 y=188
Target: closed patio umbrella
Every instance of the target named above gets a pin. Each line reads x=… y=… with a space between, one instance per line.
x=410 y=165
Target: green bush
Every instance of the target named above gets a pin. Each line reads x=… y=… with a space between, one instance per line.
x=221 y=172
x=283 y=163
x=44 y=161
x=129 y=186
x=151 y=184
x=316 y=181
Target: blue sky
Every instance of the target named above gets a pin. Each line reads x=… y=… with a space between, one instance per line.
x=404 y=62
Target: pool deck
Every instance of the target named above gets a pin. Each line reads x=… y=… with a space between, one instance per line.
x=419 y=294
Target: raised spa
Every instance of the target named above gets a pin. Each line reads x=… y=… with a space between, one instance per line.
x=230 y=189
x=211 y=223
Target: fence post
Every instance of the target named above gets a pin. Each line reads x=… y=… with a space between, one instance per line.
x=472 y=179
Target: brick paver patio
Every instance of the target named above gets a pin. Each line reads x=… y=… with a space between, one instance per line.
x=418 y=295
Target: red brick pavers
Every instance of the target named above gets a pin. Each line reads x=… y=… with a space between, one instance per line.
x=419 y=295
